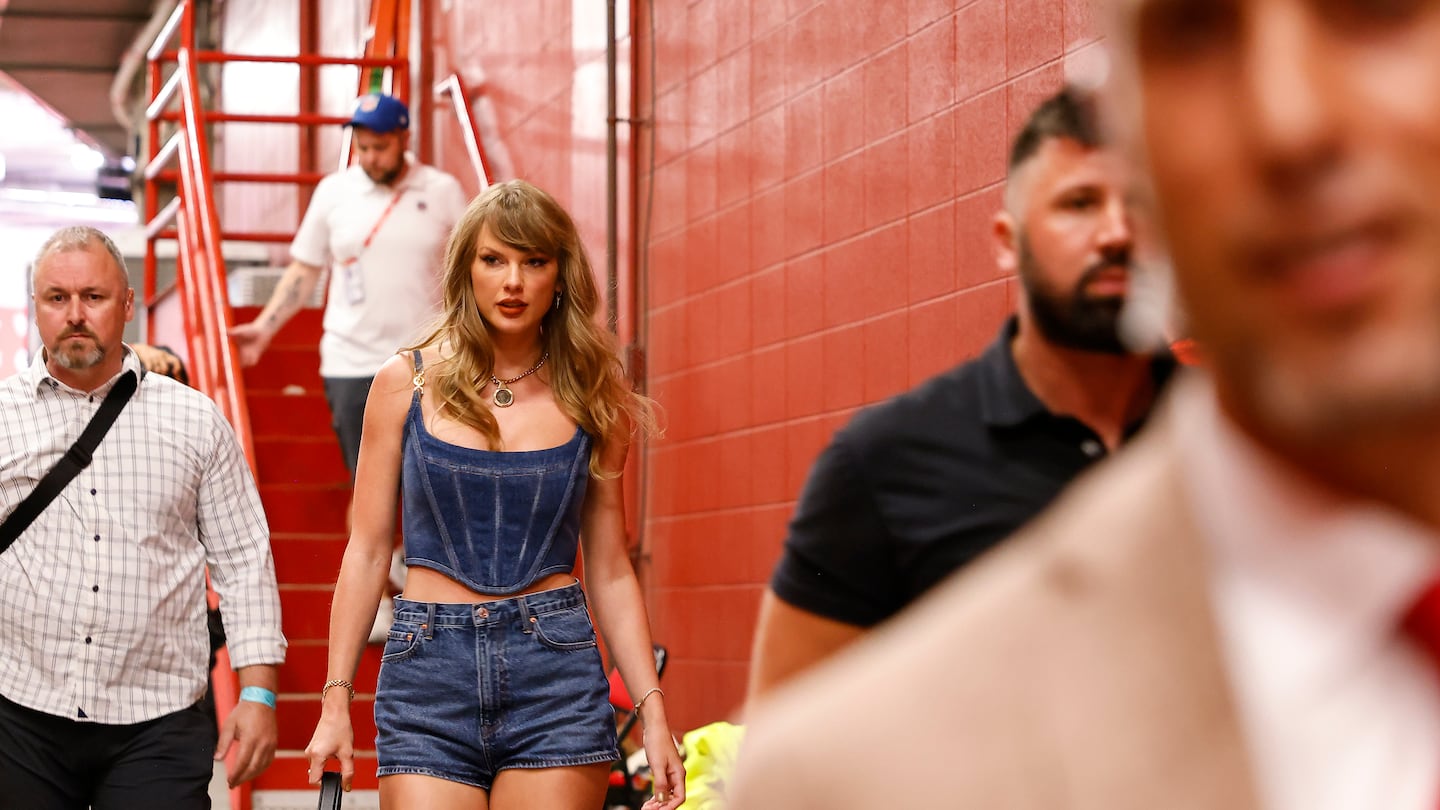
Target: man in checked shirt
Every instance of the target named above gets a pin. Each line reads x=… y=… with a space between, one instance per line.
x=103 y=642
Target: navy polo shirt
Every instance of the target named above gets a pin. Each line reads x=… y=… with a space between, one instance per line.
x=916 y=487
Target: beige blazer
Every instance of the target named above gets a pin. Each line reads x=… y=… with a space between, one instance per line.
x=1077 y=666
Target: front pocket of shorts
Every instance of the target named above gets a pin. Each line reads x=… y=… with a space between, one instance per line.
x=401 y=643
x=568 y=629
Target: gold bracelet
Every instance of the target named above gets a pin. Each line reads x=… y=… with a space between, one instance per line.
x=349 y=687
x=646 y=697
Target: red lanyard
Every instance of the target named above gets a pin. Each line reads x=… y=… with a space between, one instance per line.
x=364 y=246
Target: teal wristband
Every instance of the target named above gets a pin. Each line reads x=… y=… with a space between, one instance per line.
x=258 y=694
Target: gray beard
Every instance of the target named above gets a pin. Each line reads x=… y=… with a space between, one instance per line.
x=79 y=361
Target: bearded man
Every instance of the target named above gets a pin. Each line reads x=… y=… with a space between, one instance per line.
x=919 y=486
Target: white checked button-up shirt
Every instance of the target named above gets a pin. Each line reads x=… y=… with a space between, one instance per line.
x=102 y=599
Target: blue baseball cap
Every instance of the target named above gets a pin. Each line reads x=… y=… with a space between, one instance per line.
x=380 y=113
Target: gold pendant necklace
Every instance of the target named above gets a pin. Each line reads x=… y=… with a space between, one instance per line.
x=503 y=396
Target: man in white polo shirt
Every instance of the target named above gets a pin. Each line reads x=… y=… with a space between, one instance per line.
x=381 y=226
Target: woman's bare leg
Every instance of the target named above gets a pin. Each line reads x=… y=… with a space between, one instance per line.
x=413 y=791
x=581 y=787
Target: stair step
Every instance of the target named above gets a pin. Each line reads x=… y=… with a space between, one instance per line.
x=305 y=799
x=306 y=663
x=284 y=366
x=306 y=508
x=300 y=460
x=274 y=413
x=298 y=715
x=305 y=489
x=305 y=611
x=304 y=329
x=312 y=559
x=289 y=770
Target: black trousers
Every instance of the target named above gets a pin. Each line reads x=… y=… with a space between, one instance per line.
x=54 y=763
x=346 y=397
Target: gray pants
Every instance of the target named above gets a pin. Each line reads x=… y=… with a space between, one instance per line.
x=346 y=396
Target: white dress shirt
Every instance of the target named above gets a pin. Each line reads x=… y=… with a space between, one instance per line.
x=1340 y=710
x=102 y=599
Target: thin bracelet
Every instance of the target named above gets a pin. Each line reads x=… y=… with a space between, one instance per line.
x=349 y=687
x=646 y=697
x=258 y=694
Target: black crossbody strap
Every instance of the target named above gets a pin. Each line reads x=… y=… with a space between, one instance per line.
x=77 y=458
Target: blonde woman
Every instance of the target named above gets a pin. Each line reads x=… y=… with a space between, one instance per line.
x=505 y=433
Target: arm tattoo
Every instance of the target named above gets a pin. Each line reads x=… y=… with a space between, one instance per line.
x=292 y=296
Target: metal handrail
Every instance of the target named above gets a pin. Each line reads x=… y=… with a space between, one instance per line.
x=200 y=271
x=460 y=103
x=192 y=219
x=304 y=59
x=207 y=305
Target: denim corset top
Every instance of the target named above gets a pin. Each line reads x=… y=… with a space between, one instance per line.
x=494 y=521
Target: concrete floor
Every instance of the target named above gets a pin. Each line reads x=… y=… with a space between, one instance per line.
x=286 y=799
x=219 y=792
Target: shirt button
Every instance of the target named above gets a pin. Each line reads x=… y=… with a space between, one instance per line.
x=97 y=538
x=1092 y=448
x=87 y=639
x=95 y=589
x=92 y=492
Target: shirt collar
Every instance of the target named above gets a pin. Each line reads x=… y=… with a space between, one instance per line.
x=1005 y=399
x=37 y=374
x=1358 y=565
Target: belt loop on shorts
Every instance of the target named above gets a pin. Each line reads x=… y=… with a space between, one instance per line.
x=427 y=629
x=527 y=620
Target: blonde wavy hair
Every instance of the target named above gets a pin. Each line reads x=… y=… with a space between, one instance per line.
x=585 y=372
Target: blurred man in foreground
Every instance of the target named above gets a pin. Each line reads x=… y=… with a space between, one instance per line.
x=1236 y=612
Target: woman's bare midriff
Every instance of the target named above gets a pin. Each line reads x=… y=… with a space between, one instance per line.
x=429 y=585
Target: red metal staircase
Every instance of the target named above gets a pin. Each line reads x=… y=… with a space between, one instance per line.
x=276 y=407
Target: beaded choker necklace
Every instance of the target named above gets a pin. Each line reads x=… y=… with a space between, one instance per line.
x=503 y=396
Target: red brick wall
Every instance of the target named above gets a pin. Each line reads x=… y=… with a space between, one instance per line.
x=825 y=174
x=536 y=72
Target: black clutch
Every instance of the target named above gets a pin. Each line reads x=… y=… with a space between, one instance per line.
x=330 y=793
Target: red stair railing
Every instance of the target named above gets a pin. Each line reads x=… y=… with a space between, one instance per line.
x=192 y=219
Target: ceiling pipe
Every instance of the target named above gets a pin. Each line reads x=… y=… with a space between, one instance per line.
x=133 y=60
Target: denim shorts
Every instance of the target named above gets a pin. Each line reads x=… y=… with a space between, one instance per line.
x=467 y=690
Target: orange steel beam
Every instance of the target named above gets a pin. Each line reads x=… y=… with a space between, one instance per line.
x=401 y=48
x=278 y=178
x=192 y=220
x=382 y=40
x=151 y=207
x=296 y=118
x=156 y=226
x=307 y=140
x=241 y=236
x=304 y=60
